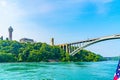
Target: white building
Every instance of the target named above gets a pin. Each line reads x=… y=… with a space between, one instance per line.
x=25 y=40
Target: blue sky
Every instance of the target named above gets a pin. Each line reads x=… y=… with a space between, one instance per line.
x=65 y=20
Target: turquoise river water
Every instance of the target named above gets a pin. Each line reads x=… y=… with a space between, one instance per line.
x=58 y=71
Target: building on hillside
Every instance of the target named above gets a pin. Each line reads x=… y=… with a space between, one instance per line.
x=25 y=40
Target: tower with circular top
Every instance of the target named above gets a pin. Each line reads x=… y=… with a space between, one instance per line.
x=10 y=30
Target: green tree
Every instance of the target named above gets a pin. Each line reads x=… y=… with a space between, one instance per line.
x=7 y=57
x=35 y=56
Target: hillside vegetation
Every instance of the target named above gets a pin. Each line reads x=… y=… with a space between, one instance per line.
x=13 y=51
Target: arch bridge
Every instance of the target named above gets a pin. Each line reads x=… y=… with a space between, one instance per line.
x=75 y=47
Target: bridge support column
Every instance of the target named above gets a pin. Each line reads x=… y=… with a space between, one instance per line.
x=62 y=47
x=79 y=45
x=69 y=49
x=66 y=48
x=74 y=47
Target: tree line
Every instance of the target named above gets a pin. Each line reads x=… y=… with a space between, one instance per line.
x=13 y=51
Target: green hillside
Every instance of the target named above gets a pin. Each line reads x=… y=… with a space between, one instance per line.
x=13 y=51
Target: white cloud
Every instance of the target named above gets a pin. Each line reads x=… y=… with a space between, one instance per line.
x=38 y=7
x=96 y=1
x=45 y=8
x=100 y=5
x=101 y=1
x=10 y=13
x=3 y=3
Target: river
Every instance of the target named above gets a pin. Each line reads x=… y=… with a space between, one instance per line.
x=58 y=71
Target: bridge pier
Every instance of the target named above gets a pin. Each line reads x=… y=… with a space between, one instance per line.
x=66 y=48
x=69 y=48
x=74 y=47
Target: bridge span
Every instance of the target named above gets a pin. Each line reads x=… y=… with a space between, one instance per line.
x=75 y=47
